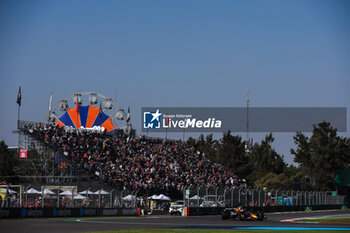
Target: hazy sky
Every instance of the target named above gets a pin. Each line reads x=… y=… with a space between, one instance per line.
x=174 y=54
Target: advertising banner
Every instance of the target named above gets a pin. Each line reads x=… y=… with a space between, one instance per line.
x=194 y=119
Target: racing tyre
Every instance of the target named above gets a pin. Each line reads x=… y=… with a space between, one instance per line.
x=224 y=215
x=241 y=217
x=260 y=216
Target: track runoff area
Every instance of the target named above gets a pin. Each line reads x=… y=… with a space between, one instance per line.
x=275 y=222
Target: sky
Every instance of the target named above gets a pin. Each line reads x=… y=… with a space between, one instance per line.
x=195 y=53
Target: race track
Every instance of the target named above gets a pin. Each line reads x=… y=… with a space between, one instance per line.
x=200 y=222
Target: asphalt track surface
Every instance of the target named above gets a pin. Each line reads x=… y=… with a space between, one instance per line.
x=197 y=222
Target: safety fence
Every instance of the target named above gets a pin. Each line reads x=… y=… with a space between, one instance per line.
x=53 y=196
x=73 y=196
x=230 y=197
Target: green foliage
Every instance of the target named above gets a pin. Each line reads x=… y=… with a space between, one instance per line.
x=264 y=160
x=230 y=151
x=289 y=179
x=274 y=181
x=209 y=231
x=318 y=156
x=321 y=155
x=204 y=145
x=7 y=163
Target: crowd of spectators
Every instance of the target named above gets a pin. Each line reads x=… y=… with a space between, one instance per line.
x=136 y=162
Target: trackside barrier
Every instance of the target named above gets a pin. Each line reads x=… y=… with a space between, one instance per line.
x=198 y=196
x=67 y=212
x=138 y=211
x=186 y=211
x=197 y=211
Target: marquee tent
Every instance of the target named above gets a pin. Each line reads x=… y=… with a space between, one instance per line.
x=10 y=191
x=160 y=197
x=195 y=197
x=66 y=193
x=79 y=197
x=33 y=191
x=101 y=191
x=86 y=192
x=130 y=198
x=48 y=192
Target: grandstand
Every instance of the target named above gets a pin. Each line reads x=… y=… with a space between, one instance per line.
x=85 y=149
x=143 y=166
x=83 y=146
x=134 y=163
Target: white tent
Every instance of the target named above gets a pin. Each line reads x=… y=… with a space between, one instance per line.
x=162 y=197
x=86 y=192
x=196 y=197
x=33 y=191
x=101 y=191
x=79 y=197
x=130 y=198
x=48 y=192
x=67 y=193
x=154 y=197
x=10 y=191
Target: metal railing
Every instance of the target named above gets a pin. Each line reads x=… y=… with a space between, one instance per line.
x=192 y=197
x=16 y=196
x=229 y=197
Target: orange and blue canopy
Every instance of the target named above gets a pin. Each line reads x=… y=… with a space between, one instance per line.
x=86 y=116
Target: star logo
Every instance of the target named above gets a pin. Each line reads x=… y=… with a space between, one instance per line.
x=151 y=120
x=156 y=115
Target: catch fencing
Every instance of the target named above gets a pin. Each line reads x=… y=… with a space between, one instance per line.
x=230 y=197
x=17 y=196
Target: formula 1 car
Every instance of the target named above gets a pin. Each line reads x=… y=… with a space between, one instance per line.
x=241 y=214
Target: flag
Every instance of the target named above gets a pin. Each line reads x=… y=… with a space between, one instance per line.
x=77 y=126
x=77 y=106
x=128 y=117
x=167 y=120
x=248 y=96
x=50 y=102
x=100 y=111
x=19 y=97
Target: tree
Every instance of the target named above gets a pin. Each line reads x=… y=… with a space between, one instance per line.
x=7 y=163
x=321 y=155
x=263 y=159
x=230 y=151
x=289 y=179
x=274 y=181
x=205 y=146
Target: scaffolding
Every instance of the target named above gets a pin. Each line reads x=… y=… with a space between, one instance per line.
x=43 y=165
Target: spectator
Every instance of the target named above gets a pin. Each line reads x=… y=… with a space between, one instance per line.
x=135 y=163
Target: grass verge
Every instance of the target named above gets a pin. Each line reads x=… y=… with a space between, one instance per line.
x=211 y=231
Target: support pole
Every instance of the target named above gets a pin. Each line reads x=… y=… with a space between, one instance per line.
x=18 y=130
